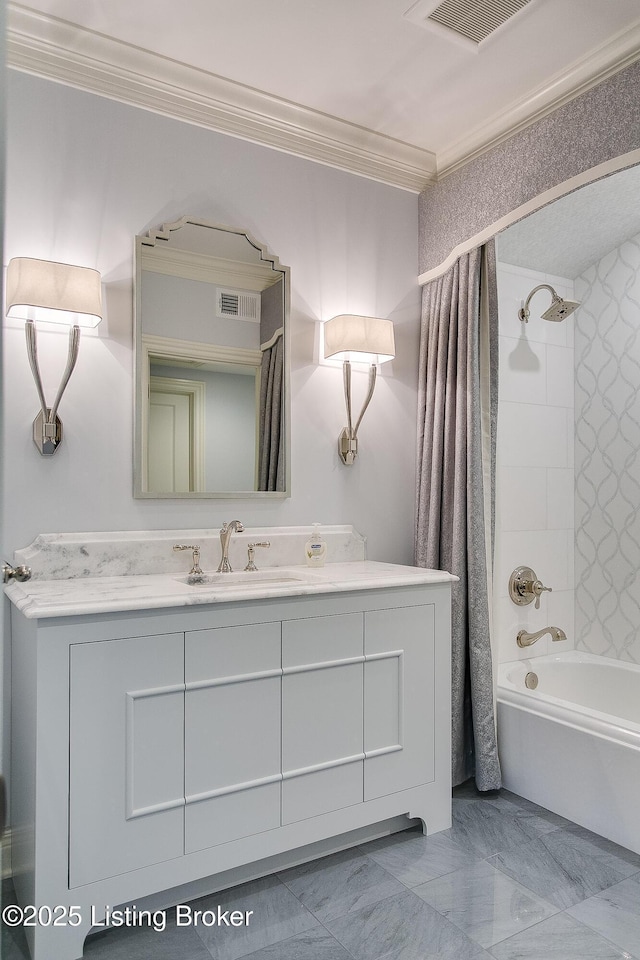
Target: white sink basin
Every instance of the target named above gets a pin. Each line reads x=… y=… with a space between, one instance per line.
x=248 y=580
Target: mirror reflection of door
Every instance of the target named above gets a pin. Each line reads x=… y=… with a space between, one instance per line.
x=202 y=426
x=176 y=423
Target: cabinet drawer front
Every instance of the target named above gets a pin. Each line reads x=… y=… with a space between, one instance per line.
x=320 y=639
x=312 y=794
x=232 y=651
x=231 y=816
x=322 y=704
x=126 y=755
x=321 y=717
x=399 y=733
x=232 y=733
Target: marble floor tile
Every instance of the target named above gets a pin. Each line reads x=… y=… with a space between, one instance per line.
x=614 y=913
x=567 y=865
x=552 y=818
x=403 y=927
x=558 y=938
x=414 y=859
x=316 y=944
x=13 y=944
x=486 y=904
x=489 y=826
x=608 y=846
x=337 y=884
x=277 y=915
x=467 y=789
x=145 y=943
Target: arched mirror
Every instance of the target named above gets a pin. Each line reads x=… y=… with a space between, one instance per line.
x=212 y=308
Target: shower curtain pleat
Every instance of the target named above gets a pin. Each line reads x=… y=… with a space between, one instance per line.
x=271 y=466
x=457 y=416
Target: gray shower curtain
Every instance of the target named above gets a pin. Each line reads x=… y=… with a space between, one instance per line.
x=271 y=432
x=457 y=416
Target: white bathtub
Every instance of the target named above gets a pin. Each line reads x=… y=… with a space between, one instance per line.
x=573 y=744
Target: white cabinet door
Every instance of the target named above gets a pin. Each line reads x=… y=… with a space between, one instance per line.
x=399 y=730
x=322 y=704
x=126 y=755
x=232 y=733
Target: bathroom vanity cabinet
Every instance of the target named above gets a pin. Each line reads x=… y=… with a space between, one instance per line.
x=209 y=743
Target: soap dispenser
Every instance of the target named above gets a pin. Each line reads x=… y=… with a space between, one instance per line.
x=315 y=549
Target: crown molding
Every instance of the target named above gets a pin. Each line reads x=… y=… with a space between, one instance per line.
x=67 y=53
x=200 y=354
x=582 y=75
x=57 y=50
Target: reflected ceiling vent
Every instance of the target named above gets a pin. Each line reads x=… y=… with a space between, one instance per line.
x=470 y=21
x=238 y=305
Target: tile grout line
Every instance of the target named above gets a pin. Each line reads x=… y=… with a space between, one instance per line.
x=629 y=956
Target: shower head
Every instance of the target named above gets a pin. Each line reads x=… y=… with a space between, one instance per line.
x=558 y=310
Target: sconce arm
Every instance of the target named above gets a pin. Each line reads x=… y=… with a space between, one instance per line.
x=49 y=415
x=348 y=440
x=32 y=352
x=74 y=342
x=346 y=376
x=372 y=383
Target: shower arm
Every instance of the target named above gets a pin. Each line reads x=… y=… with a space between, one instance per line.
x=523 y=313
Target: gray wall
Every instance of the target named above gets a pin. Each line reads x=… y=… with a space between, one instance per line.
x=597 y=126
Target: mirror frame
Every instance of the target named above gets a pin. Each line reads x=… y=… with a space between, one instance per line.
x=225 y=354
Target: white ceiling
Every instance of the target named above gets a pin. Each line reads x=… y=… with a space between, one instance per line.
x=391 y=84
x=569 y=235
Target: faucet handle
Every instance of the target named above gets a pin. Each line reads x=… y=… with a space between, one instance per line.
x=537 y=587
x=251 y=554
x=524 y=586
x=195 y=569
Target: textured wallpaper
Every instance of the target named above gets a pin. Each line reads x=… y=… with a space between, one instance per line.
x=607 y=455
x=599 y=125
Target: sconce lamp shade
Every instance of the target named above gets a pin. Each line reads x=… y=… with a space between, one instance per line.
x=53 y=292
x=361 y=339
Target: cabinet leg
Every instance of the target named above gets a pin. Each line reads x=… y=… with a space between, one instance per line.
x=63 y=943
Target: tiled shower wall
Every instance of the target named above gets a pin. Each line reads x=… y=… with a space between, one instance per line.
x=534 y=480
x=607 y=451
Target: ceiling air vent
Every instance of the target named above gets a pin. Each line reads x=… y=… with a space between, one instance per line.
x=237 y=305
x=471 y=20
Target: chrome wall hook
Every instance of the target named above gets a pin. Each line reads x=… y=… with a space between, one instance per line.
x=19 y=573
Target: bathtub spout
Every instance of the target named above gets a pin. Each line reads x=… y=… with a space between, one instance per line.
x=525 y=639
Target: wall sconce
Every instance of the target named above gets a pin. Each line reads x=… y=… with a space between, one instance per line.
x=54 y=293
x=362 y=340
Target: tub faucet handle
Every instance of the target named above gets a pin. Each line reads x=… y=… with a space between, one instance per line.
x=524 y=586
x=537 y=587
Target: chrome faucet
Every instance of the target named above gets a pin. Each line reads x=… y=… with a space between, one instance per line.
x=225 y=538
x=525 y=639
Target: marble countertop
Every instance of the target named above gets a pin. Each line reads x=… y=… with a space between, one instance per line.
x=41 y=599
